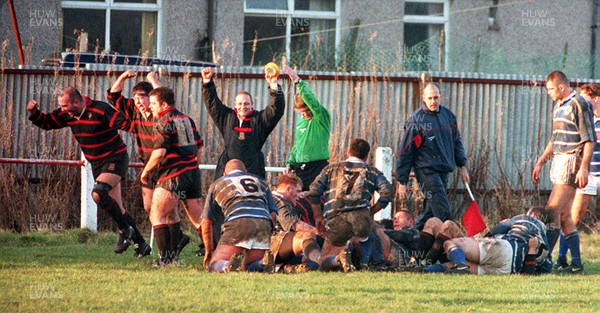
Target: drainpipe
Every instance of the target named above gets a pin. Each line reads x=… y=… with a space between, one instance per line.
x=16 y=29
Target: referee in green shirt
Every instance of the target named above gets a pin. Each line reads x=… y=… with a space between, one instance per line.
x=310 y=152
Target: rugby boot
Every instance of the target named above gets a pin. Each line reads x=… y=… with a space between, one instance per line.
x=142 y=250
x=458 y=268
x=235 y=263
x=345 y=261
x=124 y=239
x=570 y=270
x=268 y=262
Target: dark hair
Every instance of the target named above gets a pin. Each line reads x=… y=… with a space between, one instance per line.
x=558 y=77
x=289 y=179
x=164 y=94
x=359 y=148
x=387 y=223
x=592 y=89
x=142 y=86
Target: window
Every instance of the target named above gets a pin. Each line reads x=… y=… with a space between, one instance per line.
x=127 y=27
x=425 y=25
x=302 y=31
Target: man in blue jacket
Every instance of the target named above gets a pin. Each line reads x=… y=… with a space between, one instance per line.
x=432 y=147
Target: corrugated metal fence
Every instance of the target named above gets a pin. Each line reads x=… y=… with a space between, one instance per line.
x=505 y=120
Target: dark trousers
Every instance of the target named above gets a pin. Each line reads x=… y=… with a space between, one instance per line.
x=436 y=204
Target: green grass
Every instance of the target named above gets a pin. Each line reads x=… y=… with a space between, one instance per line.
x=77 y=271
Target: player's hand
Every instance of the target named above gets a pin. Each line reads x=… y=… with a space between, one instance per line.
x=581 y=179
x=145 y=176
x=129 y=74
x=207 y=257
x=207 y=74
x=292 y=73
x=464 y=174
x=533 y=245
x=401 y=190
x=535 y=175
x=320 y=225
x=32 y=106
x=287 y=170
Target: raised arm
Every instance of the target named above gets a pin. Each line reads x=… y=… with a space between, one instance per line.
x=117 y=86
x=47 y=121
x=216 y=109
x=152 y=77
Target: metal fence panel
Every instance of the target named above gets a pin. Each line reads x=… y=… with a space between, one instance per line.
x=510 y=116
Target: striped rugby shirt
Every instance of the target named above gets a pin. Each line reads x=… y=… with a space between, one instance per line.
x=288 y=214
x=177 y=133
x=96 y=129
x=142 y=127
x=349 y=186
x=517 y=231
x=572 y=125
x=595 y=162
x=238 y=195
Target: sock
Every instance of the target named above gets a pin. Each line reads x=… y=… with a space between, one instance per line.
x=311 y=250
x=137 y=236
x=176 y=234
x=457 y=255
x=552 y=234
x=312 y=265
x=329 y=264
x=217 y=266
x=425 y=243
x=255 y=266
x=563 y=248
x=437 y=249
x=163 y=241
x=113 y=209
x=435 y=268
x=366 y=248
x=573 y=240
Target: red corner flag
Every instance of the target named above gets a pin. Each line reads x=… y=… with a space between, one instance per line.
x=472 y=219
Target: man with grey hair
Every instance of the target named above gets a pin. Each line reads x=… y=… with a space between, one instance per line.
x=432 y=148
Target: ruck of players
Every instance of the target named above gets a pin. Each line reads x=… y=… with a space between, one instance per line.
x=320 y=214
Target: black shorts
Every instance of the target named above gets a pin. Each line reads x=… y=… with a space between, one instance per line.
x=114 y=164
x=247 y=233
x=186 y=185
x=308 y=171
x=340 y=228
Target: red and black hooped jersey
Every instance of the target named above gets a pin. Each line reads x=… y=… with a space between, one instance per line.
x=141 y=127
x=177 y=133
x=96 y=130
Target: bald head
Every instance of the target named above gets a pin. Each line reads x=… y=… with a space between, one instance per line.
x=431 y=97
x=71 y=93
x=71 y=101
x=234 y=165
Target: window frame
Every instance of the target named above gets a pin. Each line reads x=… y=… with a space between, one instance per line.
x=292 y=13
x=433 y=19
x=109 y=5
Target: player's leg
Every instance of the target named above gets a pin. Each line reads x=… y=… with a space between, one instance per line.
x=426 y=240
x=446 y=231
x=103 y=194
x=561 y=198
x=163 y=204
x=459 y=251
x=226 y=258
x=306 y=243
